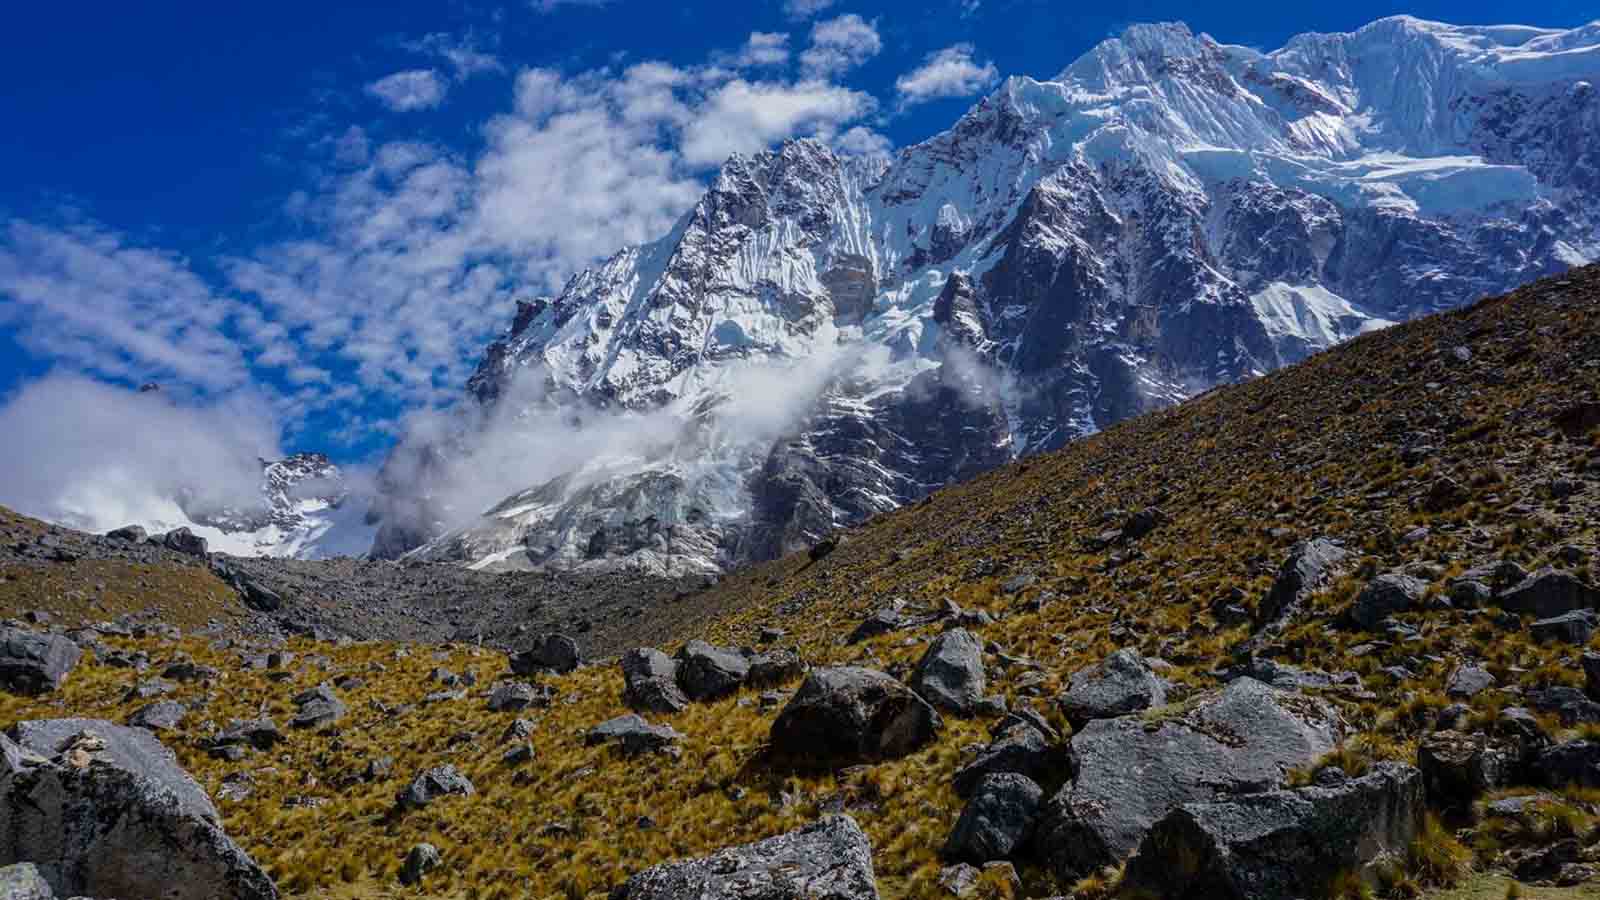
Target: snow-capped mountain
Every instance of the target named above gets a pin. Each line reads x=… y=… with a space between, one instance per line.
x=825 y=338
x=303 y=512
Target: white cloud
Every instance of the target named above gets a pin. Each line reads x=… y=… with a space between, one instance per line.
x=98 y=457
x=839 y=45
x=405 y=257
x=463 y=54
x=764 y=48
x=81 y=295
x=804 y=9
x=862 y=141
x=950 y=72
x=742 y=117
x=410 y=90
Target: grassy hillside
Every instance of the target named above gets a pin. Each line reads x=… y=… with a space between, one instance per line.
x=1346 y=446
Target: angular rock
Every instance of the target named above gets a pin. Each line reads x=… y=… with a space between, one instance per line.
x=1575 y=627
x=35 y=663
x=318 y=706
x=549 y=653
x=420 y=860
x=849 y=714
x=260 y=733
x=1468 y=681
x=634 y=735
x=709 y=673
x=1572 y=763
x=514 y=696
x=1022 y=750
x=1572 y=705
x=1132 y=771
x=1383 y=597
x=997 y=821
x=651 y=681
x=774 y=667
x=828 y=860
x=1122 y=683
x=131 y=533
x=882 y=621
x=1279 y=844
x=1591 y=674
x=950 y=674
x=431 y=784
x=1548 y=593
x=182 y=540
x=1310 y=565
x=1458 y=768
x=163 y=715
x=106 y=811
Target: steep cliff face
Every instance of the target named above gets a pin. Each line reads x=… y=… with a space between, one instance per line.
x=827 y=338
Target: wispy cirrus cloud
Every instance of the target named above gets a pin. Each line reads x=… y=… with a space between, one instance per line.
x=406 y=256
x=410 y=90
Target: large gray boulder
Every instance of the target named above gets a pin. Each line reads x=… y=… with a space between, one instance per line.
x=104 y=810
x=1022 y=749
x=1309 y=566
x=35 y=663
x=950 y=674
x=318 y=706
x=708 y=673
x=1548 y=593
x=997 y=821
x=634 y=735
x=1384 y=596
x=827 y=860
x=650 y=681
x=1278 y=844
x=549 y=653
x=182 y=540
x=1135 y=769
x=1574 y=627
x=848 y=714
x=431 y=784
x=1572 y=763
x=1122 y=683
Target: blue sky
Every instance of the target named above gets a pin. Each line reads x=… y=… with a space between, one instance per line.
x=324 y=211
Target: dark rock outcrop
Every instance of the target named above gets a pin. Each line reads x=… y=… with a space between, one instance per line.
x=1548 y=593
x=1278 y=844
x=1384 y=596
x=848 y=714
x=549 y=653
x=709 y=673
x=35 y=663
x=1122 y=683
x=996 y=821
x=650 y=681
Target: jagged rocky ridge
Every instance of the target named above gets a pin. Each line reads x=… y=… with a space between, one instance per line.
x=829 y=338
x=304 y=511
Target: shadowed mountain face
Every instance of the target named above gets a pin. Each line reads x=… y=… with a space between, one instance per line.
x=822 y=338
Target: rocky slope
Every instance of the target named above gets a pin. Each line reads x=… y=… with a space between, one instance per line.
x=824 y=339
x=1331 y=632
